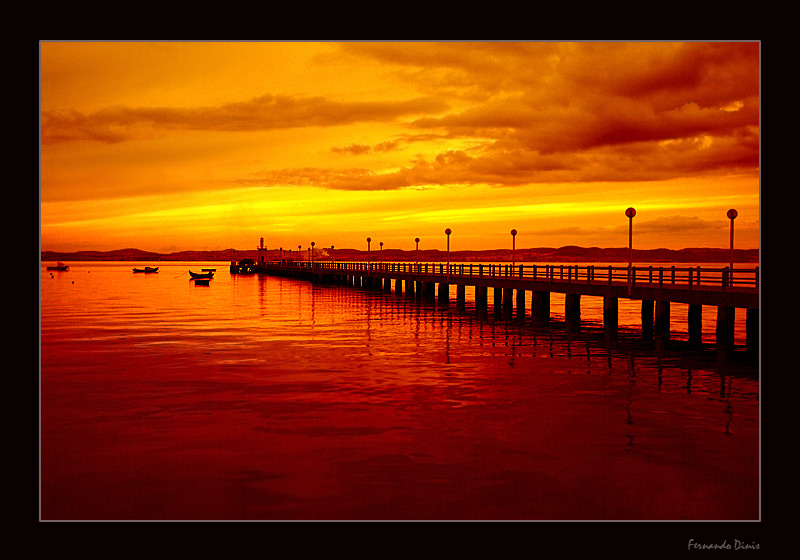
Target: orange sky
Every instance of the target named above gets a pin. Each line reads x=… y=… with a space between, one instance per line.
x=212 y=145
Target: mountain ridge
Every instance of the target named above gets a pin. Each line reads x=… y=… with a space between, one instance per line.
x=568 y=253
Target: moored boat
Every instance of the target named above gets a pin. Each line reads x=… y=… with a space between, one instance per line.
x=209 y=270
x=58 y=266
x=196 y=275
x=146 y=269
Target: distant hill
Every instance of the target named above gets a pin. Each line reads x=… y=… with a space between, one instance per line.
x=570 y=253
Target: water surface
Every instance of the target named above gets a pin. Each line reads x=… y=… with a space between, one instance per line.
x=270 y=398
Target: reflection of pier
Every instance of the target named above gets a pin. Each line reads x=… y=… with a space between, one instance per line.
x=656 y=287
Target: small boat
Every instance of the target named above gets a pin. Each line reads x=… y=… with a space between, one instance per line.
x=146 y=269
x=58 y=266
x=202 y=281
x=196 y=275
x=209 y=270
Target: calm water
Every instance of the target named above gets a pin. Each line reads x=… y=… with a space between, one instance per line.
x=269 y=398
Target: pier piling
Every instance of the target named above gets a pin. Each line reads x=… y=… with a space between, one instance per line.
x=695 y=325
x=572 y=311
x=725 y=327
x=662 y=320
x=611 y=314
x=655 y=287
x=540 y=306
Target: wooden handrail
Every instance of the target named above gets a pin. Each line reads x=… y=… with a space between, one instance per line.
x=675 y=276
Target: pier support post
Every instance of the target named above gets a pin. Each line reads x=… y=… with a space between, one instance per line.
x=540 y=306
x=410 y=292
x=398 y=286
x=520 y=304
x=461 y=296
x=387 y=284
x=481 y=299
x=647 y=319
x=429 y=290
x=444 y=292
x=662 y=320
x=611 y=314
x=695 y=325
x=751 y=329
x=418 y=286
x=572 y=311
x=507 y=300
x=725 y=327
x=498 y=300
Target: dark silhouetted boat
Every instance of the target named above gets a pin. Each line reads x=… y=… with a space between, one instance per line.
x=209 y=270
x=196 y=276
x=146 y=269
x=58 y=266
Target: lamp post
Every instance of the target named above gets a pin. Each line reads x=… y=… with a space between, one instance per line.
x=513 y=246
x=381 y=252
x=630 y=212
x=732 y=213
x=447 y=232
x=312 y=254
x=369 y=239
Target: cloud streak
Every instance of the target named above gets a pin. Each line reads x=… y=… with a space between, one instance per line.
x=268 y=112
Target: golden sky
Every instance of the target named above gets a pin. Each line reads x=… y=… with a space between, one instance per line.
x=167 y=146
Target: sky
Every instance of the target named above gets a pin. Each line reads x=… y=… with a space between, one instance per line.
x=171 y=146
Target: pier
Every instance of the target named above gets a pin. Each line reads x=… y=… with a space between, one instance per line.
x=656 y=287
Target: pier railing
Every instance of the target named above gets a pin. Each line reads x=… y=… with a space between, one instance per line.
x=687 y=277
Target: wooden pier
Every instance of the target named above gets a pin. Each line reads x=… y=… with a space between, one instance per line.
x=656 y=287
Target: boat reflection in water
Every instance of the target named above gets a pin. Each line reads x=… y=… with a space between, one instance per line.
x=272 y=398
